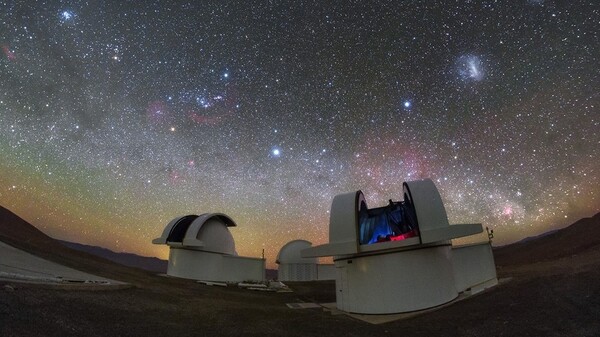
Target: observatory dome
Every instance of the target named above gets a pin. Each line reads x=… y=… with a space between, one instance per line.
x=202 y=248
x=216 y=236
x=290 y=253
x=207 y=232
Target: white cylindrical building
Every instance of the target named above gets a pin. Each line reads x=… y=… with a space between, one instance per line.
x=292 y=266
x=396 y=258
x=202 y=248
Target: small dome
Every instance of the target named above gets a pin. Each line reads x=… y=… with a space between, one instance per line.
x=216 y=236
x=290 y=252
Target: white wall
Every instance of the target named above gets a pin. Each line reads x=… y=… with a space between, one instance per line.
x=239 y=268
x=395 y=282
x=297 y=272
x=473 y=265
x=206 y=266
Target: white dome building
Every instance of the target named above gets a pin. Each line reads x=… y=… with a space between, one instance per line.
x=294 y=267
x=399 y=258
x=202 y=248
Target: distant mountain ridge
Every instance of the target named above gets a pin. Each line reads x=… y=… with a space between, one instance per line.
x=579 y=237
x=534 y=237
x=152 y=264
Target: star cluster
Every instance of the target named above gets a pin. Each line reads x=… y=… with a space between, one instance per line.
x=117 y=116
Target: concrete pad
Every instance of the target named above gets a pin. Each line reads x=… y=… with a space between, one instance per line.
x=19 y=266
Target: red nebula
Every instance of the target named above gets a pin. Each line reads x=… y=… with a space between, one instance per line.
x=9 y=53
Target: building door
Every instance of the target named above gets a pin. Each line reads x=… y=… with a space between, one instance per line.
x=341 y=285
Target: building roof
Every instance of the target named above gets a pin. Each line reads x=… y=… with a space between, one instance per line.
x=207 y=232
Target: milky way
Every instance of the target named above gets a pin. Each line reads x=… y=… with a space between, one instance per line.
x=117 y=116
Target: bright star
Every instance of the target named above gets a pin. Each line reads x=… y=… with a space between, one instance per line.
x=407 y=104
x=276 y=152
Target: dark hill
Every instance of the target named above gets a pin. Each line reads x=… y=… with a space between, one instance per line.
x=14 y=229
x=577 y=238
x=22 y=235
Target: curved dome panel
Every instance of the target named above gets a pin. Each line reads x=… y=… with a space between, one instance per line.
x=175 y=228
x=426 y=202
x=290 y=253
x=180 y=228
x=216 y=236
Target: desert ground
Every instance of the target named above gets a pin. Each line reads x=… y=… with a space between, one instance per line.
x=550 y=287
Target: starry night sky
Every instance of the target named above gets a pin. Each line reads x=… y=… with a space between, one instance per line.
x=117 y=116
